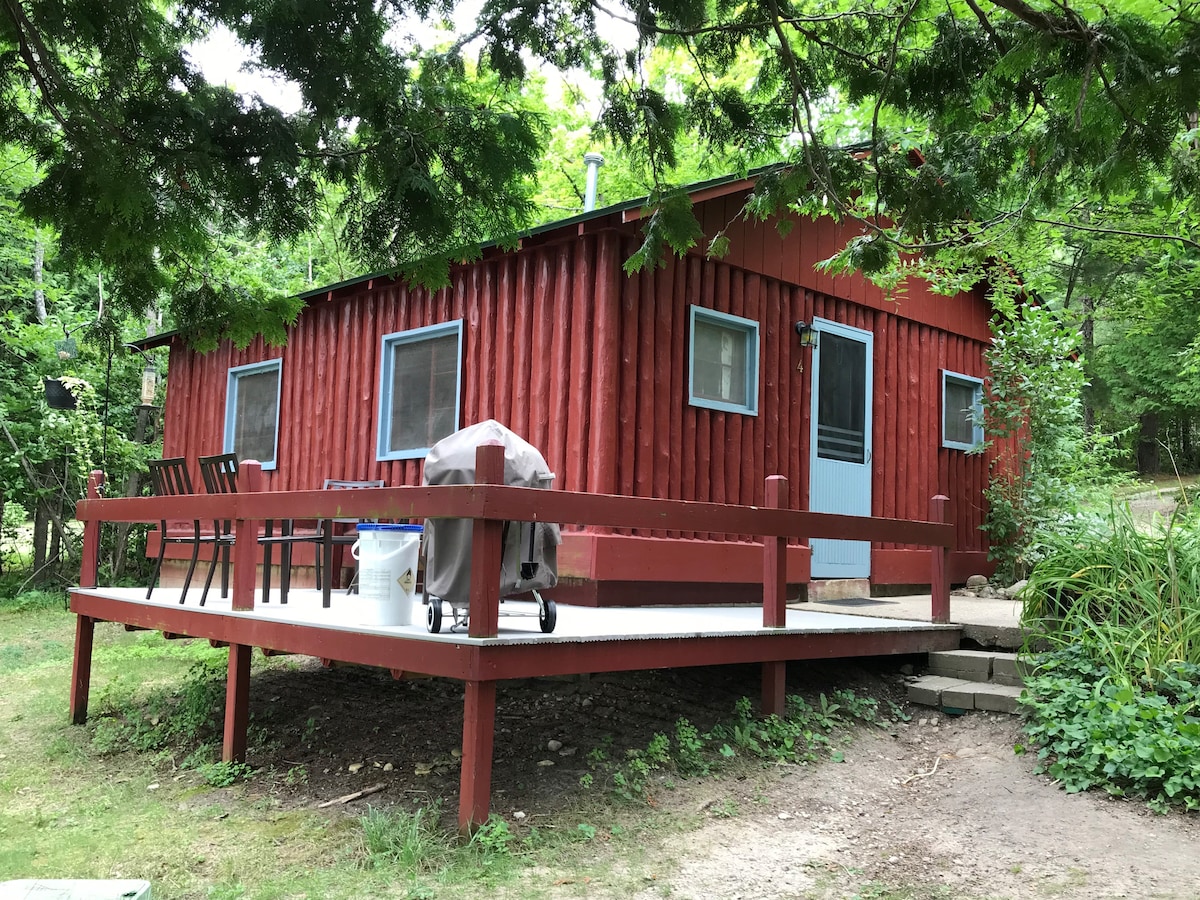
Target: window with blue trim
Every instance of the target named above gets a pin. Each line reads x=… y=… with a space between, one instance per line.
x=420 y=384
x=252 y=411
x=962 y=411
x=723 y=362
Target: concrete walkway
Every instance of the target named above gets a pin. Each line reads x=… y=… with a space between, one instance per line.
x=987 y=622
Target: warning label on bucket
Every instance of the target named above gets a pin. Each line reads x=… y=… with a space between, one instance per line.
x=407 y=581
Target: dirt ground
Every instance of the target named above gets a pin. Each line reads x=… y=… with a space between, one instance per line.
x=935 y=807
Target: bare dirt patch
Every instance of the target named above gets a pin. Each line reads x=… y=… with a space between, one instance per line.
x=936 y=807
x=981 y=825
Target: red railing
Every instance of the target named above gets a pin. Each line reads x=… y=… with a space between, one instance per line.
x=490 y=503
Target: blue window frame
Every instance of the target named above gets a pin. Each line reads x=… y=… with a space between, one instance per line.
x=723 y=367
x=252 y=411
x=962 y=411
x=420 y=383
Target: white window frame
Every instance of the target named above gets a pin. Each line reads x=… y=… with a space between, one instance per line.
x=236 y=373
x=976 y=384
x=388 y=345
x=725 y=320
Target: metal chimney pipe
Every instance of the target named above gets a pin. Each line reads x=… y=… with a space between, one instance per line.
x=593 y=161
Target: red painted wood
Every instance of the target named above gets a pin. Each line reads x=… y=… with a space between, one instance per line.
x=90 y=557
x=662 y=421
x=626 y=445
x=486 y=555
x=237 y=704
x=579 y=386
x=579 y=434
x=677 y=381
x=939 y=581
x=645 y=390
x=246 y=552
x=490 y=345
x=539 y=314
x=561 y=364
x=774 y=688
x=386 y=651
x=521 y=346
x=81 y=668
x=479 y=729
x=775 y=559
x=545 y=658
x=501 y=502
x=752 y=469
x=605 y=377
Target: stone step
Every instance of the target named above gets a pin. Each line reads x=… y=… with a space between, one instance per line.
x=979 y=665
x=839 y=588
x=954 y=694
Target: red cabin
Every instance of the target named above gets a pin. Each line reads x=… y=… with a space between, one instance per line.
x=693 y=381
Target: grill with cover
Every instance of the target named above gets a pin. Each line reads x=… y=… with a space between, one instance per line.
x=529 y=560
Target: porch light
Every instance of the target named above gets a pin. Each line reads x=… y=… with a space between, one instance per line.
x=808 y=334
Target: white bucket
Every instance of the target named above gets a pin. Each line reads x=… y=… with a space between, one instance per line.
x=387 y=572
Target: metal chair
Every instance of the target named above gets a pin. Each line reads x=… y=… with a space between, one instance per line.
x=334 y=541
x=329 y=540
x=170 y=478
x=220 y=477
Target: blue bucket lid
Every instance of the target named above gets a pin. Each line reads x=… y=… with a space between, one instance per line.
x=376 y=526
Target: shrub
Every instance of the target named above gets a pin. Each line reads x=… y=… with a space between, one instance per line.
x=1095 y=729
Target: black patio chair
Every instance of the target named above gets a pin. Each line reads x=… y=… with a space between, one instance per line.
x=330 y=537
x=220 y=477
x=169 y=478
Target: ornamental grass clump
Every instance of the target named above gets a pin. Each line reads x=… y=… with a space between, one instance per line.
x=1115 y=702
x=1132 y=592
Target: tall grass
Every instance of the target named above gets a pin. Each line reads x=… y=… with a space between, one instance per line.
x=1132 y=593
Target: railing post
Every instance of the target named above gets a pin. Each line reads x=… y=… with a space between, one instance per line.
x=486 y=549
x=774 y=672
x=939 y=581
x=90 y=562
x=245 y=538
x=775 y=558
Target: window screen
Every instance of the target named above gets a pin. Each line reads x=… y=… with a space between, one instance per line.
x=252 y=412
x=961 y=411
x=421 y=389
x=724 y=361
x=841 y=400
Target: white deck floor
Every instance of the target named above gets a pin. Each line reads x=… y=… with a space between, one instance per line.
x=518 y=619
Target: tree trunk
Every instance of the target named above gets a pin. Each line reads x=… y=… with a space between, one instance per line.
x=41 y=532
x=39 y=295
x=1088 y=330
x=1147 y=448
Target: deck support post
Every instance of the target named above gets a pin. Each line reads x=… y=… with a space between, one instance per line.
x=245 y=543
x=81 y=668
x=774 y=688
x=237 y=703
x=486 y=549
x=939 y=581
x=479 y=731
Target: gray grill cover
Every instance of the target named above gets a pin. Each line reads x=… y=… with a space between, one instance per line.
x=448 y=541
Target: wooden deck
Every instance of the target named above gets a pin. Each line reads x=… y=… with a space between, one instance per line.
x=499 y=646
